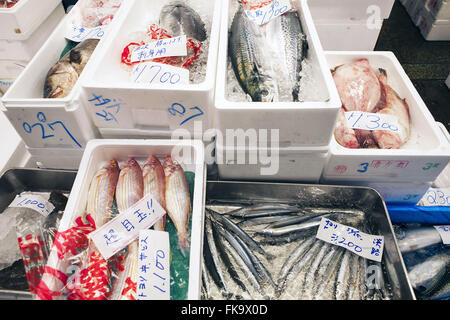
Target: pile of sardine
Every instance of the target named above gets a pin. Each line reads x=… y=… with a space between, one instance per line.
x=269 y=251
x=362 y=89
x=427 y=260
x=267 y=60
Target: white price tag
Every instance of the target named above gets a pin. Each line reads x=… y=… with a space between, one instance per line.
x=154 y=266
x=125 y=227
x=444 y=232
x=436 y=197
x=264 y=14
x=32 y=201
x=372 y=121
x=159 y=73
x=360 y=243
x=169 y=47
x=79 y=34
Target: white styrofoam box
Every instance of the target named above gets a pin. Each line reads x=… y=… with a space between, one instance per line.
x=439 y=8
x=54 y=158
x=350 y=9
x=99 y=152
x=143 y=106
x=11 y=145
x=266 y=164
x=48 y=123
x=431 y=29
x=340 y=35
x=20 y=21
x=299 y=123
x=11 y=69
x=25 y=49
x=392 y=192
x=421 y=159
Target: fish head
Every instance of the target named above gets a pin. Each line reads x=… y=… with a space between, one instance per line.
x=60 y=80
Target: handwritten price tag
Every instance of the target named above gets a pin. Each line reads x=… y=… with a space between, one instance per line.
x=436 y=197
x=444 y=232
x=170 y=47
x=264 y=14
x=154 y=265
x=32 y=201
x=360 y=243
x=182 y=116
x=124 y=228
x=79 y=34
x=372 y=121
x=159 y=73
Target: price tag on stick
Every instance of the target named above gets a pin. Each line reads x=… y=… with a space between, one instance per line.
x=124 y=228
x=154 y=265
x=360 y=243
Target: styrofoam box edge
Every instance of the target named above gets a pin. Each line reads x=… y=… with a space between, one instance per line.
x=27 y=16
x=77 y=198
x=335 y=148
x=203 y=90
x=25 y=49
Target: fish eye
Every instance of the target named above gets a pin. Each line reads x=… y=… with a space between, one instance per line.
x=264 y=92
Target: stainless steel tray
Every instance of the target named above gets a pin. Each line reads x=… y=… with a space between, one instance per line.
x=15 y=181
x=365 y=199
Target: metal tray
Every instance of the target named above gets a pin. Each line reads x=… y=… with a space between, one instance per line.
x=365 y=199
x=15 y=181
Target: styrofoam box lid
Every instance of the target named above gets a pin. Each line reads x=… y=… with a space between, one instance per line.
x=315 y=55
x=425 y=134
x=99 y=152
x=270 y=146
x=27 y=90
x=109 y=72
x=27 y=15
x=360 y=9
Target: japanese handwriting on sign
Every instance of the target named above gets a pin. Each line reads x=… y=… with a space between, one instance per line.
x=106 y=108
x=362 y=244
x=169 y=47
x=154 y=269
x=264 y=14
x=79 y=34
x=43 y=125
x=111 y=237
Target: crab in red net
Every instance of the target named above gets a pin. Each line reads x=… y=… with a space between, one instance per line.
x=156 y=33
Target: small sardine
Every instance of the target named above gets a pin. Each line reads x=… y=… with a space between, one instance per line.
x=155 y=184
x=178 y=201
x=230 y=225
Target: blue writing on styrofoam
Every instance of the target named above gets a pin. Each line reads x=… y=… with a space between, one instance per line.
x=177 y=109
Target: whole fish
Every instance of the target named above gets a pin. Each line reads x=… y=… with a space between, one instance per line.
x=287 y=34
x=244 y=261
x=178 y=18
x=101 y=193
x=63 y=75
x=155 y=184
x=263 y=210
x=215 y=256
x=296 y=255
x=311 y=274
x=178 y=201
x=130 y=189
x=397 y=107
x=327 y=271
x=418 y=238
x=210 y=265
x=248 y=57
x=205 y=280
x=296 y=220
x=275 y=232
x=343 y=277
x=425 y=276
x=230 y=225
